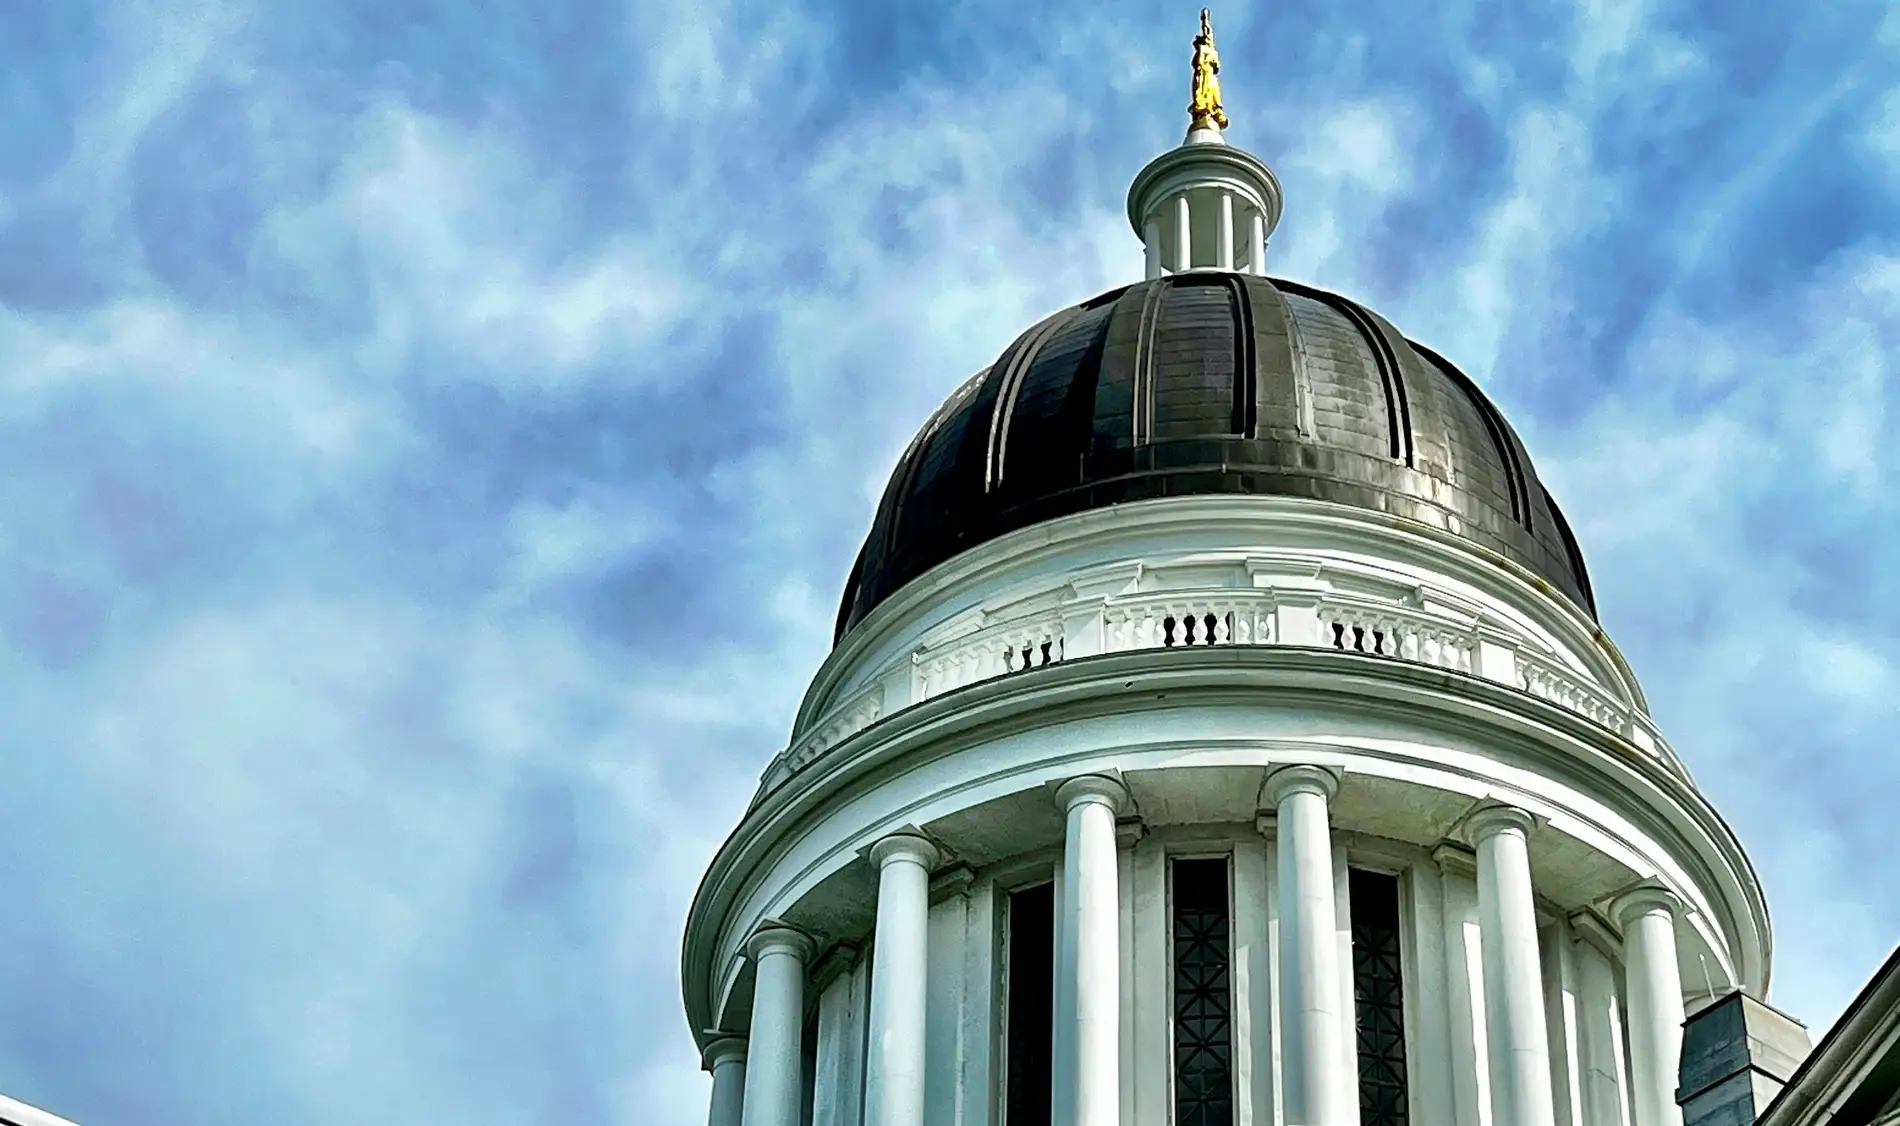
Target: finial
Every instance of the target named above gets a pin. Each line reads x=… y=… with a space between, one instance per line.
x=1205 y=111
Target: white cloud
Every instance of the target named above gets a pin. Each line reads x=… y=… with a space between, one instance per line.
x=273 y=400
x=452 y=222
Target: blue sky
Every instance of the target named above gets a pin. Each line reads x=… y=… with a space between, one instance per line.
x=433 y=437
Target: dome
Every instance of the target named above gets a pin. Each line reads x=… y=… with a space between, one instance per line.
x=1208 y=382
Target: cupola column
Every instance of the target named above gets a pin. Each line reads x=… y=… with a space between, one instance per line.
x=1183 y=233
x=894 y=1069
x=1521 y=1091
x=1089 y=1034
x=773 y=1060
x=1224 y=233
x=1151 y=245
x=1313 y=1026
x=725 y=1059
x=1653 y=987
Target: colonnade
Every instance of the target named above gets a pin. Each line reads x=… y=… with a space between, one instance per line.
x=756 y=1079
x=1181 y=216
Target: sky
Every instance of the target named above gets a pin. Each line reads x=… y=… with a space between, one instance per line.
x=434 y=435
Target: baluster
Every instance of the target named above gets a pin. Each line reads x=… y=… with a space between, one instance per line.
x=1223 y=627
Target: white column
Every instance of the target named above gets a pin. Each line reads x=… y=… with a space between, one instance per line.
x=1513 y=975
x=1257 y=246
x=1348 y=990
x=774 y=1061
x=1600 y=1023
x=1429 y=1054
x=1312 y=1027
x=1225 y=251
x=1653 y=994
x=1561 y=1014
x=1252 y=963
x=1183 y=234
x=1090 y=902
x=838 y=1071
x=1151 y=237
x=894 y=1061
x=725 y=1059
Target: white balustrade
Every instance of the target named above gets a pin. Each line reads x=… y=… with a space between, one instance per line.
x=1187 y=618
x=858 y=713
x=1218 y=617
x=1394 y=632
x=1543 y=679
x=991 y=652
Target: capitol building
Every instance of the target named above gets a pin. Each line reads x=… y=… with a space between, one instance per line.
x=1219 y=730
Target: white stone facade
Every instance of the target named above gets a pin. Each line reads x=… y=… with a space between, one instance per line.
x=1299 y=688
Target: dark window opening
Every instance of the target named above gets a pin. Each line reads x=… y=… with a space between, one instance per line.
x=808 y=1066
x=1203 y=996
x=1030 y=1017
x=1378 y=984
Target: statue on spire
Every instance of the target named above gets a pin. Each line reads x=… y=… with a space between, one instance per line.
x=1205 y=111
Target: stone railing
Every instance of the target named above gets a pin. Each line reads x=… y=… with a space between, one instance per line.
x=1545 y=679
x=1164 y=621
x=1415 y=627
x=1010 y=647
x=856 y=714
x=1397 y=632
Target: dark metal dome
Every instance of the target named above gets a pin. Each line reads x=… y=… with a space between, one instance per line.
x=1205 y=383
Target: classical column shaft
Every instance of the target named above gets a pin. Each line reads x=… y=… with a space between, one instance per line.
x=1601 y=1031
x=774 y=1064
x=1151 y=234
x=1513 y=976
x=1091 y=898
x=1183 y=234
x=1257 y=252
x=725 y=1058
x=894 y=1068
x=1653 y=993
x=1313 y=1027
x=1226 y=234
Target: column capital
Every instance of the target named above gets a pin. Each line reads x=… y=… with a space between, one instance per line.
x=722 y=1049
x=1645 y=900
x=1300 y=779
x=776 y=938
x=905 y=845
x=1097 y=788
x=1494 y=819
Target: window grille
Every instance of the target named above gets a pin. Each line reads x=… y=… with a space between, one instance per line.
x=1203 y=996
x=1379 y=991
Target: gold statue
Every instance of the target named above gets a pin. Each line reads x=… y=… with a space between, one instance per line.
x=1205 y=110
